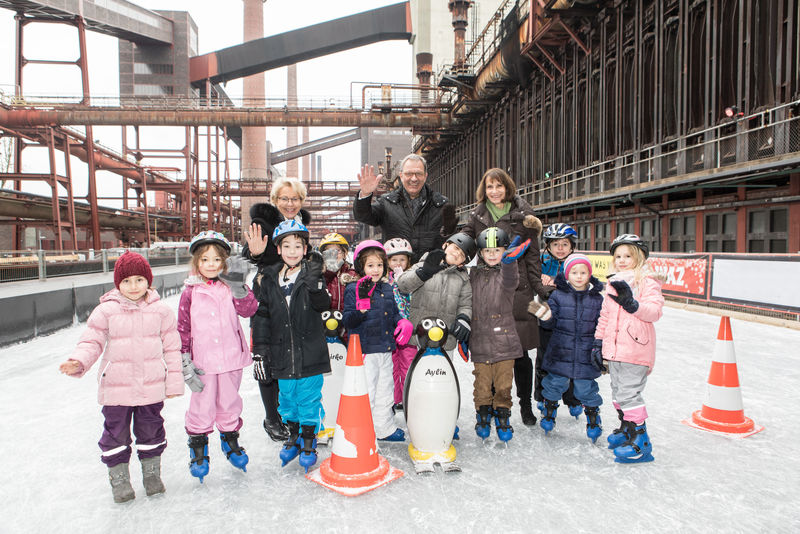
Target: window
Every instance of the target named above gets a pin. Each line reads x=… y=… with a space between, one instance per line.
x=720 y=232
x=584 y=241
x=682 y=233
x=624 y=227
x=152 y=90
x=650 y=233
x=601 y=238
x=767 y=230
x=152 y=68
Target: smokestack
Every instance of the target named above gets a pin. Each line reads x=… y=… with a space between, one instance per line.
x=459 y=10
x=424 y=73
x=306 y=159
x=292 y=166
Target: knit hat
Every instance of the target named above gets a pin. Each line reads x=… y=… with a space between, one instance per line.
x=132 y=264
x=576 y=259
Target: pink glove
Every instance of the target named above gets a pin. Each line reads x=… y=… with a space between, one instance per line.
x=403 y=331
x=364 y=288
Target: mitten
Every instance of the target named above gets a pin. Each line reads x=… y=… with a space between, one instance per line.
x=190 y=373
x=314 y=264
x=461 y=328
x=434 y=262
x=403 y=331
x=597 y=356
x=540 y=309
x=624 y=296
x=515 y=250
x=364 y=288
x=238 y=267
x=261 y=358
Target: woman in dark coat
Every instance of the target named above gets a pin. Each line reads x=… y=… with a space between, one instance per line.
x=287 y=196
x=499 y=205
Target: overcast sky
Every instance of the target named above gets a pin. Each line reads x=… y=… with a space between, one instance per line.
x=219 y=26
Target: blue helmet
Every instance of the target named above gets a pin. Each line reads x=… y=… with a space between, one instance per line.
x=207 y=238
x=560 y=231
x=289 y=227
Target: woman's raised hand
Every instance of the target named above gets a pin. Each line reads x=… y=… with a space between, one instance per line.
x=256 y=242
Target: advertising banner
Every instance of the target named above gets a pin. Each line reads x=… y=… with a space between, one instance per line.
x=685 y=275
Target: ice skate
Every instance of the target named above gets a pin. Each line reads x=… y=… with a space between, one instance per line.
x=576 y=411
x=198 y=455
x=230 y=446
x=504 y=430
x=548 y=421
x=638 y=447
x=397 y=435
x=618 y=437
x=483 y=426
x=593 y=421
x=308 y=451
x=151 y=476
x=291 y=448
x=120 y=479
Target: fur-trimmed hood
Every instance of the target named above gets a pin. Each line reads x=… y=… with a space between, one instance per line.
x=346 y=278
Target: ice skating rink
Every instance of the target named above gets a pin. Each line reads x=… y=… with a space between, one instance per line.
x=51 y=478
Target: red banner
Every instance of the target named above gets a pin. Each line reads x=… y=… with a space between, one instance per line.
x=684 y=275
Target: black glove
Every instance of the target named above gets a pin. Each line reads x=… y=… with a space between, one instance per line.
x=461 y=328
x=314 y=264
x=364 y=288
x=597 y=356
x=624 y=296
x=434 y=262
x=261 y=363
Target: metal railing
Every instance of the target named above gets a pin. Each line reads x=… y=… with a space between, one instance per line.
x=16 y=266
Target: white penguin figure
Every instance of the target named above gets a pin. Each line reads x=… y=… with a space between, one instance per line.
x=332 y=382
x=431 y=400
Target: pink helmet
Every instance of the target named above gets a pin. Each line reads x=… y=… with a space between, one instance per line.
x=366 y=245
x=397 y=245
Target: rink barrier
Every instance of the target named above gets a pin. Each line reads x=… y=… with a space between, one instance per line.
x=760 y=284
x=34 y=314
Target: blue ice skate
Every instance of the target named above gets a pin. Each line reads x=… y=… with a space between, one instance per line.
x=593 y=421
x=198 y=455
x=291 y=448
x=308 y=449
x=504 y=430
x=548 y=421
x=638 y=448
x=484 y=416
x=230 y=446
x=576 y=411
x=540 y=406
x=619 y=436
x=397 y=435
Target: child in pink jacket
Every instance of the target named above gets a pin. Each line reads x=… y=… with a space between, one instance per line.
x=141 y=365
x=214 y=347
x=626 y=339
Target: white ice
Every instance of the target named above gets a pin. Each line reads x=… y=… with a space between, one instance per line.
x=51 y=478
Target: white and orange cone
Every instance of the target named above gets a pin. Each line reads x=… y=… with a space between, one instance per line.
x=723 y=411
x=354 y=467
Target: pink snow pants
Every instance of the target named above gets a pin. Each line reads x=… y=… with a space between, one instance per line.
x=402 y=357
x=219 y=403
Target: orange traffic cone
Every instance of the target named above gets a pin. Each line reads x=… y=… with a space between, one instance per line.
x=354 y=467
x=722 y=410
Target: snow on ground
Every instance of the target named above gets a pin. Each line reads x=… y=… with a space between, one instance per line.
x=51 y=478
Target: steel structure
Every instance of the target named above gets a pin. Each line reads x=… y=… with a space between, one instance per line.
x=676 y=119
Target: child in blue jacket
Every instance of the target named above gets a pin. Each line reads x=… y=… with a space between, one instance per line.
x=371 y=312
x=571 y=313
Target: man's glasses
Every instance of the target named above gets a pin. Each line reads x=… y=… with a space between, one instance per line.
x=287 y=200
x=416 y=174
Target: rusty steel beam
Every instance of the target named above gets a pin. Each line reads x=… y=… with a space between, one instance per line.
x=119 y=116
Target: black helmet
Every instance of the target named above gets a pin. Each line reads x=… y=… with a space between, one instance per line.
x=493 y=237
x=559 y=231
x=630 y=239
x=465 y=243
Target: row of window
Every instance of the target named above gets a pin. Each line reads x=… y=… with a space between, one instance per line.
x=767 y=232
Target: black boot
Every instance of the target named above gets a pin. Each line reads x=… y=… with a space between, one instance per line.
x=273 y=425
x=528 y=419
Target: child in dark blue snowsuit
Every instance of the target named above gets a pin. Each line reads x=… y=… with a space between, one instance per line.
x=574 y=308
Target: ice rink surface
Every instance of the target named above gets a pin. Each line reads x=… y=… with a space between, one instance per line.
x=52 y=480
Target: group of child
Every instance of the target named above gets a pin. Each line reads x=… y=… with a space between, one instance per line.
x=146 y=351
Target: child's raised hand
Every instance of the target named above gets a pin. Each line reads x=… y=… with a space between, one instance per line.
x=71 y=367
x=515 y=250
x=624 y=296
x=256 y=242
x=364 y=288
